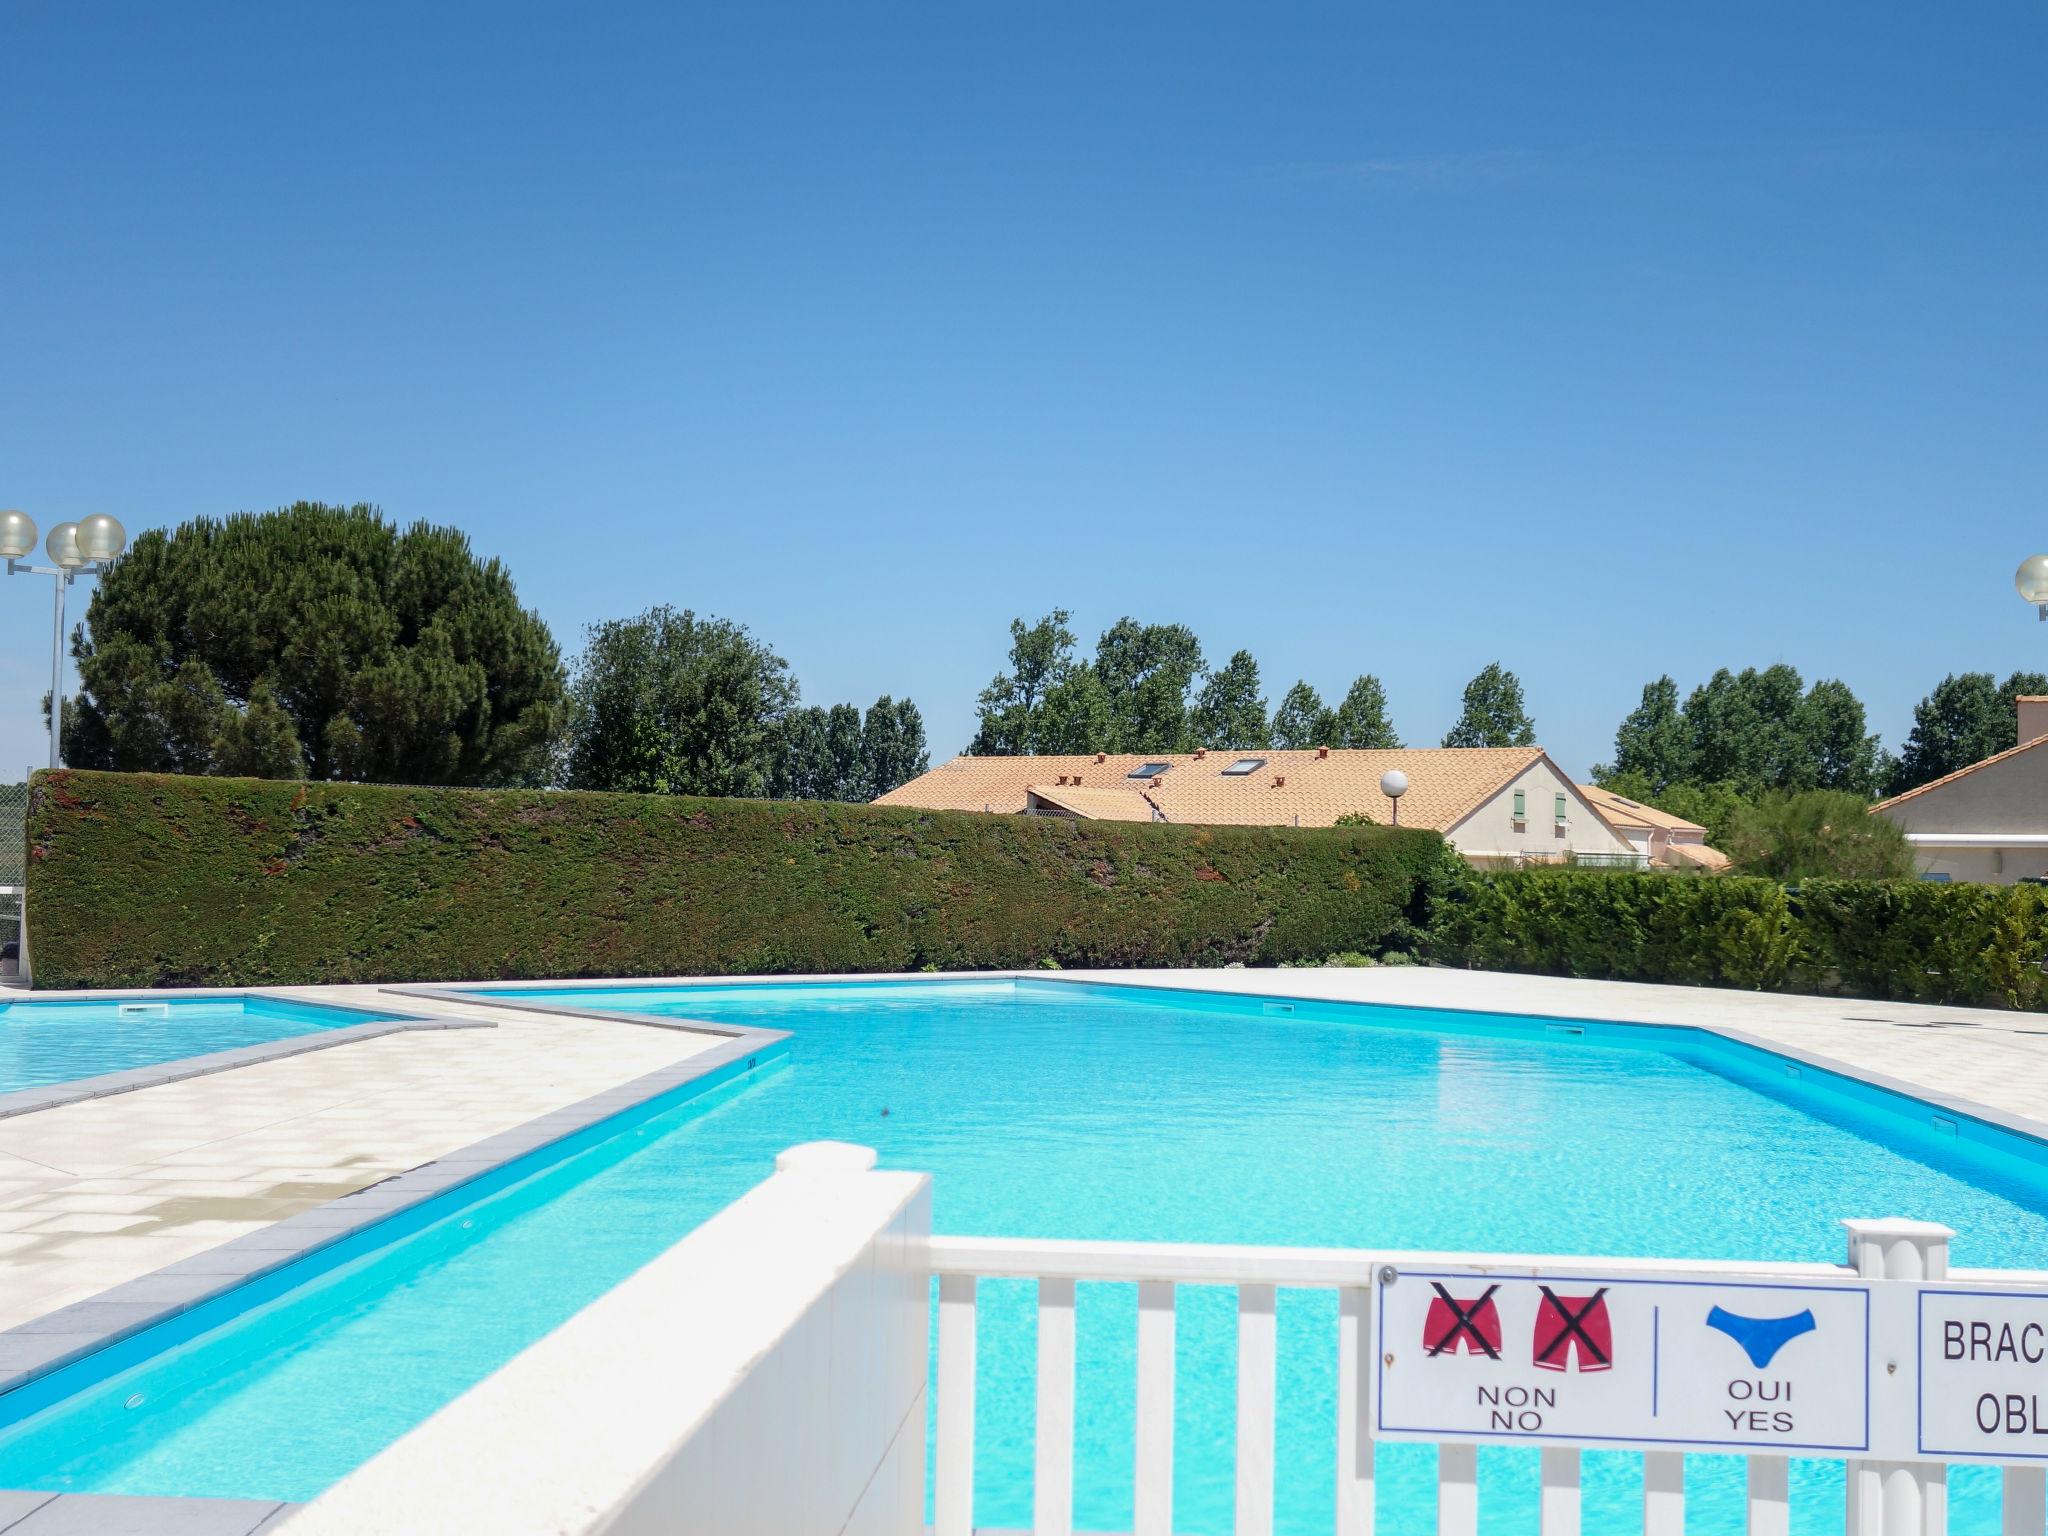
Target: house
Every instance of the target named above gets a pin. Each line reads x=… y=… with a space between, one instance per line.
x=1986 y=822
x=1495 y=805
x=1664 y=840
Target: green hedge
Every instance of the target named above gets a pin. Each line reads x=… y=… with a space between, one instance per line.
x=1908 y=940
x=146 y=880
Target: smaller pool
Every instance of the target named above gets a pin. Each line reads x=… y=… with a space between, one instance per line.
x=46 y=1043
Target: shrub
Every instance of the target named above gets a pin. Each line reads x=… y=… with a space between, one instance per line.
x=147 y=880
x=1818 y=834
x=1903 y=939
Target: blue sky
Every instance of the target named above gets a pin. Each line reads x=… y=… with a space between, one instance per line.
x=1602 y=340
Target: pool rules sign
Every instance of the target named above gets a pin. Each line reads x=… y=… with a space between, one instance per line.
x=1623 y=1360
x=1983 y=1373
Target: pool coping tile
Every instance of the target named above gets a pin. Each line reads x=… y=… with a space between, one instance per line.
x=26 y=1101
x=70 y=1333
x=116 y=1514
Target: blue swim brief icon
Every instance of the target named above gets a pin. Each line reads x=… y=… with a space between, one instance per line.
x=1761 y=1337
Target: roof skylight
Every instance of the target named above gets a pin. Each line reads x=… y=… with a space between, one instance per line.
x=1148 y=770
x=1243 y=766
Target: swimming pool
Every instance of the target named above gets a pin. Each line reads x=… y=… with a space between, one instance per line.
x=1067 y=1110
x=44 y=1042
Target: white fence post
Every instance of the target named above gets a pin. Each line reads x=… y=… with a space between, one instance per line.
x=1898 y=1498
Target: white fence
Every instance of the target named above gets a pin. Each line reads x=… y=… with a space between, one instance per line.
x=1888 y=1363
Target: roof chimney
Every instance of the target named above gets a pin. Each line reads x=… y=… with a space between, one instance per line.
x=1322 y=751
x=1279 y=781
x=2033 y=715
x=1200 y=753
x=1102 y=757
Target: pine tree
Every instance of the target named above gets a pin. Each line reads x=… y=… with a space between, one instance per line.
x=395 y=656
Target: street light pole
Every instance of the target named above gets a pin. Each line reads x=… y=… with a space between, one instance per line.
x=75 y=549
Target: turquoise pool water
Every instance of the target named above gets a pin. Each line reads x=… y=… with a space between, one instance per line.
x=1064 y=1111
x=48 y=1042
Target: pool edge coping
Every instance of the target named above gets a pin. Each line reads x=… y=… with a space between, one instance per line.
x=77 y=1090
x=44 y=1344
x=502 y=994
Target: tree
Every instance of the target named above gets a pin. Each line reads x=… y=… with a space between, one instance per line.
x=1302 y=720
x=1494 y=714
x=1362 y=719
x=1011 y=708
x=1818 y=834
x=1839 y=752
x=1744 y=729
x=1964 y=720
x=259 y=741
x=668 y=703
x=892 y=748
x=1147 y=673
x=393 y=656
x=1651 y=744
x=1230 y=714
x=1077 y=715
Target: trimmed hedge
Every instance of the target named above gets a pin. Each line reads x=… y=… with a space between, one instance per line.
x=1908 y=940
x=151 y=880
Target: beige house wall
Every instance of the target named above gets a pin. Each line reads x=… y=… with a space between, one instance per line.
x=1489 y=834
x=2006 y=796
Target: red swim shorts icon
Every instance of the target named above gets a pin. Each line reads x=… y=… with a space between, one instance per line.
x=1452 y=1325
x=1573 y=1327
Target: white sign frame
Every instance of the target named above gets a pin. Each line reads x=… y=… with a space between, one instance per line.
x=1927 y=1381
x=1849 y=1295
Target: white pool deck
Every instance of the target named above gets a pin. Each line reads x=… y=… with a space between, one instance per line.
x=104 y=1191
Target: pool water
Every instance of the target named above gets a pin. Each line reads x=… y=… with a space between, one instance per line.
x=43 y=1043
x=1057 y=1110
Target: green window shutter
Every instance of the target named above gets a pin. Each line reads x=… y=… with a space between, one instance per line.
x=1560 y=807
x=1521 y=805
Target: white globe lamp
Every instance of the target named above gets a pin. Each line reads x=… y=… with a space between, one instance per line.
x=63 y=547
x=1394 y=784
x=2032 y=581
x=101 y=537
x=17 y=535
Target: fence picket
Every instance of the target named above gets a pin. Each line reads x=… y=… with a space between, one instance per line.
x=1559 y=1510
x=1457 y=1490
x=1152 y=1483
x=1257 y=1362
x=2024 y=1506
x=1354 y=1412
x=1770 y=1496
x=953 y=1472
x=1663 y=1493
x=1052 y=1493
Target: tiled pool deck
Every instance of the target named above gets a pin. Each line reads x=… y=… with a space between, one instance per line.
x=216 y=1176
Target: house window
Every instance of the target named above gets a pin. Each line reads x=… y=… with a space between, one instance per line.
x=1243 y=766
x=1560 y=810
x=1148 y=770
x=1521 y=806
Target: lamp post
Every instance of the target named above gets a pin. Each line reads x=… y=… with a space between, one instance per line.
x=2032 y=580
x=75 y=549
x=1394 y=784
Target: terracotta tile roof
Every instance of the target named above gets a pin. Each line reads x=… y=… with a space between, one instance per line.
x=1095 y=804
x=1697 y=854
x=1950 y=778
x=1615 y=809
x=1445 y=785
